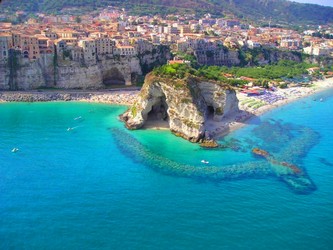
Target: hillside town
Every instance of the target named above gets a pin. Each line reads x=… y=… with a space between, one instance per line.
x=87 y=39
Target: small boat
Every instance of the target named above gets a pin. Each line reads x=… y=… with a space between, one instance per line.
x=14 y=150
x=78 y=118
x=204 y=162
x=72 y=128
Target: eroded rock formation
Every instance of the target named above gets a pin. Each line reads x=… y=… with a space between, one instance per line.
x=57 y=71
x=183 y=104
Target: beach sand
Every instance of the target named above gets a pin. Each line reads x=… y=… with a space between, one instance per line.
x=119 y=97
x=238 y=120
x=156 y=124
x=216 y=129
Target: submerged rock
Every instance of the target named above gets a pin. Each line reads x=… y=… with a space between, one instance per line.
x=260 y=152
x=299 y=183
x=186 y=104
x=289 y=166
x=209 y=144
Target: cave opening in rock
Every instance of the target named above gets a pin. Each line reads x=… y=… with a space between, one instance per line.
x=158 y=115
x=113 y=77
x=210 y=112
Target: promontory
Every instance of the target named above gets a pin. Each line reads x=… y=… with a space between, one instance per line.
x=174 y=95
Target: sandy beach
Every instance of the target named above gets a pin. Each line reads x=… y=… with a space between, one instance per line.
x=248 y=106
x=118 y=97
x=284 y=96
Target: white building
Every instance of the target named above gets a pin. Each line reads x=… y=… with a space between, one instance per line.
x=253 y=44
x=318 y=50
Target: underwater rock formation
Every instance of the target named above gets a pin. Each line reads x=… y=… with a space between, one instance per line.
x=291 y=167
x=209 y=144
x=184 y=104
x=260 y=152
x=298 y=182
x=139 y=153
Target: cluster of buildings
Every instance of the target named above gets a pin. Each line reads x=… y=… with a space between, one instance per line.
x=112 y=33
x=85 y=43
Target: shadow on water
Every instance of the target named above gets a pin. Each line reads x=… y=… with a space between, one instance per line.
x=325 y=162
x=299 y=181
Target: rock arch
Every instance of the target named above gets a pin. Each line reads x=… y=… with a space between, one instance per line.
x=156 y=113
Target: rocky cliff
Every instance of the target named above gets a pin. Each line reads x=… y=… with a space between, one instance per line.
x=155 y=56
x=184 y=104
x=54 y=71
x=44 y=72
x=264 y=56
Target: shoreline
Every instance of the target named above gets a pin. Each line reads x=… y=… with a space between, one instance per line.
x=127 y=97
x=292 y=94
x=115 y=97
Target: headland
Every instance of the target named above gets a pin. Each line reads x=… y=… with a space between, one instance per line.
x=249 y=106
x=200 y=107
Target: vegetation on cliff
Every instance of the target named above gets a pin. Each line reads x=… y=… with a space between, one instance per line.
x=283 y=68
x=280 y=11
x=255 y=56
x=231 y=76
x=177 y=95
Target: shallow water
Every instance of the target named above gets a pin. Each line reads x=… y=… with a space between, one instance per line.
x=98 y=186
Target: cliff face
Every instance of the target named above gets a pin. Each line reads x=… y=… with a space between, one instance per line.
x=185 y=104
x=105 y=73
x=69 y=74
x=25 y=74
x=57 y=72
x=156 y=55
x=236 y=57
x=276 y=56
x=264 y=56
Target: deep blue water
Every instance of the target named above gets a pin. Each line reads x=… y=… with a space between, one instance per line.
x=99 y=186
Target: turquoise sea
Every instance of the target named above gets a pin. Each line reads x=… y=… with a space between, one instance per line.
x=81 y=181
